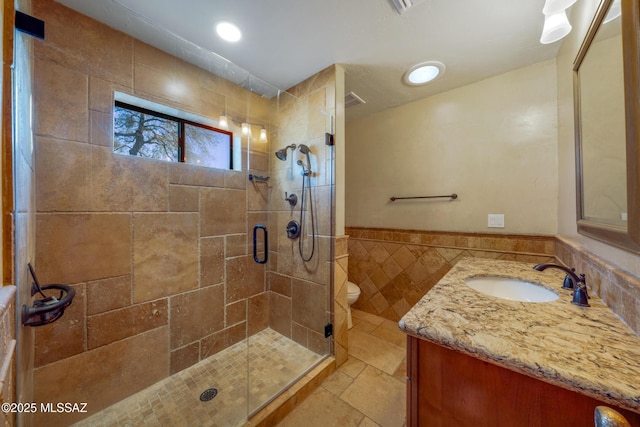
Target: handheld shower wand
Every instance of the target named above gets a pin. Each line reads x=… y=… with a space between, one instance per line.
x=306 y=182
x=306 y=169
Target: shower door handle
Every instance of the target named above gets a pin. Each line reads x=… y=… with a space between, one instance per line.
x=255 y=244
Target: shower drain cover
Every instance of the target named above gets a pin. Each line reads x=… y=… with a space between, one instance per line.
x=208 y=394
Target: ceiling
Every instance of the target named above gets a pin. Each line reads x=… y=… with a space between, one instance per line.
x=286 y=41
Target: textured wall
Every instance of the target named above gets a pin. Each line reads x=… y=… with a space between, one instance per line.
x=494 y=143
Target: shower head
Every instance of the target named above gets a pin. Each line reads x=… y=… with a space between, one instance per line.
x=282 y=153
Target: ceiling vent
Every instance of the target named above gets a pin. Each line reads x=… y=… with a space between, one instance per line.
x=351 y=100
x=403 y=5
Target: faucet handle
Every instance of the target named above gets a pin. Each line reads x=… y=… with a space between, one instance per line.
x=580 y=295
x=568 y=282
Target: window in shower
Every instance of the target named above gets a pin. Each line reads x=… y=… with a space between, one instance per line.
x=139 y=131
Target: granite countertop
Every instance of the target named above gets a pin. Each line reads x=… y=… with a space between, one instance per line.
x=585 y=349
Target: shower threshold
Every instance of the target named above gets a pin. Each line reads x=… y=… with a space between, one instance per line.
x=246 y=376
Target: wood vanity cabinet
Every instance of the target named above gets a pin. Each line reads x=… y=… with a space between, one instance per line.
x=447 y=388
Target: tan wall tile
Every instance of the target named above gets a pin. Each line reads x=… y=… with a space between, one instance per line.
x=66 y=336
x=165 y=255
x=195 y=315
x=223 y=339
x=100 y=51
x=236 y=272
x=61 y=89
x=183 y=198
x=236 y=312
x=236 y=245
x=280 y=314
x=255 y=280
x=235 y=179
x=105 y=328
x=309 y=304
x=79 y=247
x=184 y=357
x=223 y=212
x=62 y=174
x=101 y=96
x=102 y=376
x=258 y=313
x=211 y=260
x=101 y=128
x=165 y=78
x=279 y=284
x=108 y=294
x=186 y=174
x=124 y=183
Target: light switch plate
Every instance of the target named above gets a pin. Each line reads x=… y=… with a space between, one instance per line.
x=496 y=220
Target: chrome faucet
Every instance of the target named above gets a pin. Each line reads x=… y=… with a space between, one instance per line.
x=571 y=281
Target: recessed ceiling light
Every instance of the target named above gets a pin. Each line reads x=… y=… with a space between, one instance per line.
x=423 y=73
x=229 y=32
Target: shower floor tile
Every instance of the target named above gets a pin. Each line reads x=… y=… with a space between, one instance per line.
x=272 y=361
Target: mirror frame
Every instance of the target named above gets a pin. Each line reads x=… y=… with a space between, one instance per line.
x=629 y=238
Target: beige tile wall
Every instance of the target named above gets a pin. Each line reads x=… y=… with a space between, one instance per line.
x=157 y=251
x=341 y=341
x=395 y=268
x=300 y=292
x=619 y=290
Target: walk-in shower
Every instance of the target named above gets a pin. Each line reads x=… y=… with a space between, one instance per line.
x=197 y=309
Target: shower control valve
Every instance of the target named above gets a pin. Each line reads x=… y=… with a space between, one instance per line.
x=292 y=198
x=293 y=229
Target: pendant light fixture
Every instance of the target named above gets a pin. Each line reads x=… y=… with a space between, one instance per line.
x=223 y=123
x=556 y=24
x=556 y=27
x=551 y=7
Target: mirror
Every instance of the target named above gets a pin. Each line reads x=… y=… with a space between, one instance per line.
x=606 y=126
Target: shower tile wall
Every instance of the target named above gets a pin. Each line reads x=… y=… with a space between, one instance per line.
x=395 y=268
x=155 y=250
x=300 y=292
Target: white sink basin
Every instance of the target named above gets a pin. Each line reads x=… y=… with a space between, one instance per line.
x=511 y=289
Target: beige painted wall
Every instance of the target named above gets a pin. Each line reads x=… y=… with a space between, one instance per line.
x=581 y=15
x=494 y=143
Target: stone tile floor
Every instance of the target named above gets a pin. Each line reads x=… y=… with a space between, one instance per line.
x=369 y=389
x=274 y=361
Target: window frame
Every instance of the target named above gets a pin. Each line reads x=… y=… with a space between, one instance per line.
x=181 y=129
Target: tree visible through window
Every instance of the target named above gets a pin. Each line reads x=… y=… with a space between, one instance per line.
x=144 y=133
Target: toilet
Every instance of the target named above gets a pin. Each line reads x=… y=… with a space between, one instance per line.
x=353 y=292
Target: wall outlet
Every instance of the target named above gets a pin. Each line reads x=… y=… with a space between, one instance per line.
x=623 y=216
x=496 y=220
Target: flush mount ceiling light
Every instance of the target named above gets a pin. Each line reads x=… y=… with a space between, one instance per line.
x=551 y=7
x=556 y=26
x=228 y=31
x=423 y=73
